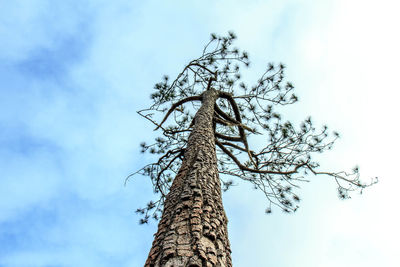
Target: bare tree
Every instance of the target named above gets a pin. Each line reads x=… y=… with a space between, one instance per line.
x=209 y=114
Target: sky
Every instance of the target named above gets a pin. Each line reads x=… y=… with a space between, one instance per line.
x=74 y=73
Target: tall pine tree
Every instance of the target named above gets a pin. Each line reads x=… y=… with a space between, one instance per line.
x=211 y=115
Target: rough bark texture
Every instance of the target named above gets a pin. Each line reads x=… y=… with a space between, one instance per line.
x=193 y=229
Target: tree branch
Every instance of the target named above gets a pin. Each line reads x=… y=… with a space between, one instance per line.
x=204 y=67
x=228 y=138
x=162 y=171
x=236 y=146
x=148 y=118
x=238 y=118
x=177 y=104
x=230 y=121
x=244 y=168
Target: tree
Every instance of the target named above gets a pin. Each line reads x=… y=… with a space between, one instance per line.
x=213 y=115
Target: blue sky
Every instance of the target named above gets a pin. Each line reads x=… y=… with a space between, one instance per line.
x=74 y=73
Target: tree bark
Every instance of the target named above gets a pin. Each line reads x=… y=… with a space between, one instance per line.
x=193 y=229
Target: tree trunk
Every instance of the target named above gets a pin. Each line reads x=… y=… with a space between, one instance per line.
x=193 y=229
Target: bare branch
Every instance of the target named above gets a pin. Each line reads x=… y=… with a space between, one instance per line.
x=244 y=168
x=174 y=106
x=231 y=122
x=228 y=138
x=163 y=170
x=236 y=147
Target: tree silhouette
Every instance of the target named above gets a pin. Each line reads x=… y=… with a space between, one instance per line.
x=209 y=115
